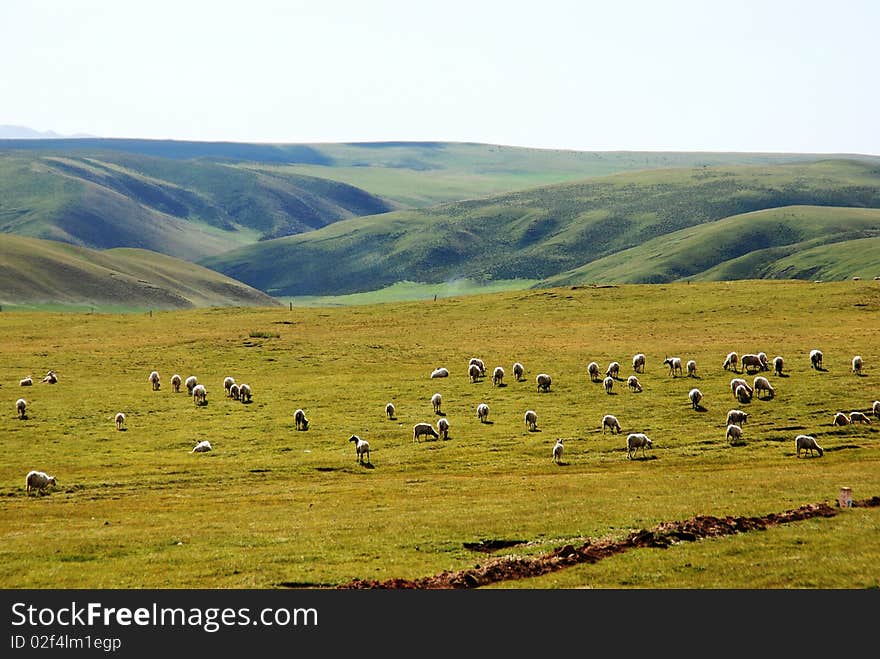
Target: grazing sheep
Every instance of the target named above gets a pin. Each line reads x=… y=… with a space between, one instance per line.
x=763 y=384
x=190 y=384
x=38 y=481
x=51 y=378
x=543 y=381
x=482 y=412
x=443 y=427
x=609 y=384
x=120 y=420
x=737 y=416
x=816 y=359
x=695 y=396
x=436 y=401
x=735 y=383
x=807 y=443
x=21 y=408
x=859 y=417
x=474 y=372
x=26 y=382
x=361 y=448
x=175 y=383
x=743 y=394
x=153 y=379
x=518 y=370
x=613 y=370
x=635 y=441
x=244 y=393
x=424 y=429
x=691 y=368
x=765 y=364
x=674 y=364
x=610 y=421
x=731 y=361
x=875 y=407
x=593 y=371
x=234 y=392
x=734 y=433
x=440 y=373
x=639 y=363
x=751 y=363
x=202 y=447
x=299 y=418
x=479 y=363
x=498 y=376
x=857 y=365
x=200 y=395
x=633 y=383
x=389 y=411
x=840 y=419
x=778 y=365
x=558 y=448
x=531 y=418
x=228 y=381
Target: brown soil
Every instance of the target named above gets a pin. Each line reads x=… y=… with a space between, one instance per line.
x=507 y=568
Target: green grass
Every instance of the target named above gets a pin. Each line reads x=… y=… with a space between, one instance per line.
x=271 y=506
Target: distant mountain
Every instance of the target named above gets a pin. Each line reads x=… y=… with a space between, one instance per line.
x=25 y=133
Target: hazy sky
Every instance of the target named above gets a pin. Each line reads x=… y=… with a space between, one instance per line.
x=786 y=75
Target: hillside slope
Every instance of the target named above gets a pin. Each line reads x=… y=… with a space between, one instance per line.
x=36 y=272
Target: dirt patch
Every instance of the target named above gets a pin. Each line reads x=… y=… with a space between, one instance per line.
x=508 y=568
x=488 y=546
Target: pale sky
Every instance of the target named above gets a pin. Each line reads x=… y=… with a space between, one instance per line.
x=750 y=75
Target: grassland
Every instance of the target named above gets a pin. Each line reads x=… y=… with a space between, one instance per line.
x=272 y=507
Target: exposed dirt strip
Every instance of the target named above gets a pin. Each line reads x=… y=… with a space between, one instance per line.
x=506 y=568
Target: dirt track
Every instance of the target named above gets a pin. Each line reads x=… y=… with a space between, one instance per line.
x=507 y=568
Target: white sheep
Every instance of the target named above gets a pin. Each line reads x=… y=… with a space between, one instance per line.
x=175 y=383
x=807 y=443
x=633 y=383
x=244 y=393
x=639 y=360
x=737 y=416
x=751 y=363
x=613 y=370
x=518 y=371
x=778 y=365
x=840 y=419
x=200 y=394
x=202 y=447
x=479 y=363
x=736 y=383
x=436 y=401
x=731 y=361
x=857 y=365
x=228 y=381
x=765 y=364
x=593 y=371
x=120 y=420
x=190 y=383
x=816 y=359
x=498 y=376
x=695 y=396
x=609 y=384
x=691 y=368
x=21 y=408
x=153 y=378
x=426 y=429
x=674 y=364
x=531 y=418
x=763 y=384
x=389 y=411
x=859 y=417
x=558 y=449
x=483 y=412
x=361 y=448
x=635 y=441
x=300 y=420
x=443 y=427
x=51 y=377
x=234 y=393
x=474 y=372
x=543 y=381
x=440 y=373
x=26 y=382
x=743 y=394
x=734 y=433
x=875 y=408
x=610 y=421
x=38 y=481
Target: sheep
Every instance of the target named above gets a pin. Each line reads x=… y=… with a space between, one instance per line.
x=300 y=420
x=857 y=365
x=751 y=363
x=234 y=392
x=840 y=419
x=593 y=371
x=424 y=429
x=531 y=418
x=474 y=372
x=436 y=401
x=875 y=407
x=734 y=433
x=21 y=408
x=175 y=383
x=691 y=368
x=807 y=443
x=200 y=394
x=244 y=393
x=674 y=364
x=778 y=365
x=26 y=382
x=558 y=448
x=816 y=359
x=389 y=411
x=731 y=361
x=38 y=481
x=737 y=416
x=543 y=381
x=190 y=383
x=610 y=421
x=440 y=373
x=228 y=381
x=153 y=379
x=483 y=412
x=743 y=394
x=443 y=427
x=361 y=448
x=613 y=370
x=859 y=417
x=633 y=383
x=639 y=363
x=518 y=370
x=202 y=447
x=695 y=396
x=635 y=441
x=120 y=420
x=609 y=384
x=765 y=364
x=51 y=377
x=735 y=383
x=498 y=376
x=479 y=363
x=763 y=384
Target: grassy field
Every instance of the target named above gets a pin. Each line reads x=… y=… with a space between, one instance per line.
x=272 y=507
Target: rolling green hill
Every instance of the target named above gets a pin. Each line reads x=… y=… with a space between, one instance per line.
x=36 y=272
x=540 y=232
